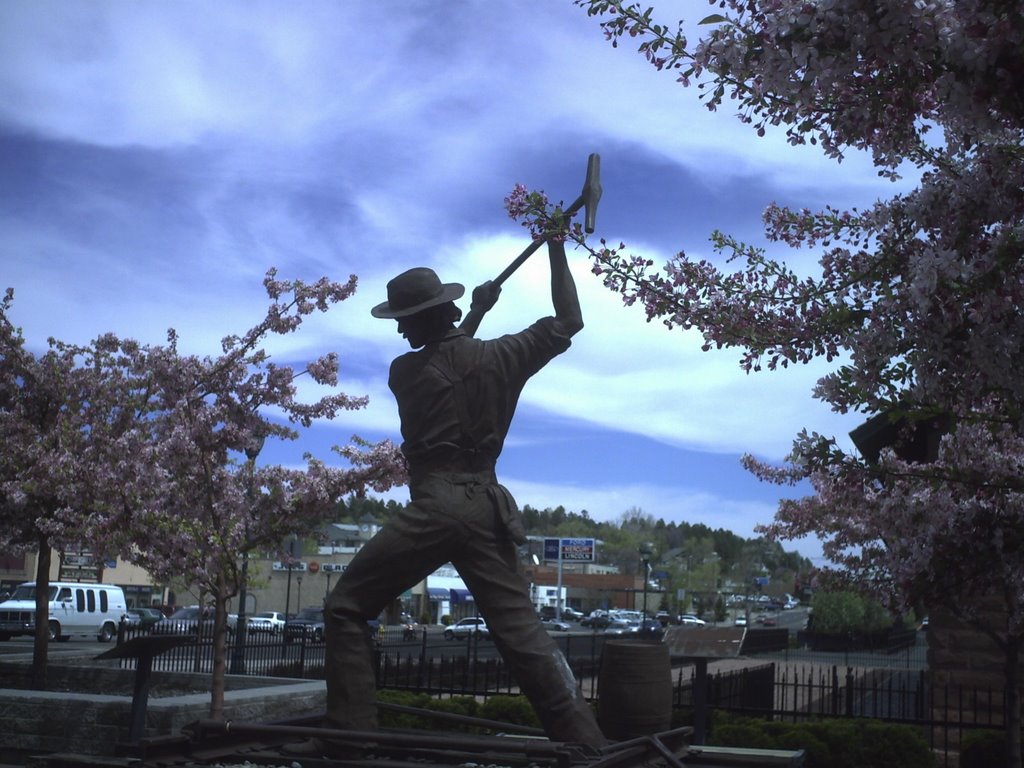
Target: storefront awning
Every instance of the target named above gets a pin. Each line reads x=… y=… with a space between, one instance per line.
x=461 y=596
x=438 y=593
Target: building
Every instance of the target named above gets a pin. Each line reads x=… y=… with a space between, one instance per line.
x=302 y=573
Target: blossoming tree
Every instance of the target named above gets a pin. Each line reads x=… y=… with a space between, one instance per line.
x=66 y=418
x=177 y=490
x=207 y=421
x=918 y=298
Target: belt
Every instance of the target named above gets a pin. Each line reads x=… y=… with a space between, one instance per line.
x=452 y=462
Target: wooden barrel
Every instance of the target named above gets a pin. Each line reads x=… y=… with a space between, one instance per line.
x=634 y=689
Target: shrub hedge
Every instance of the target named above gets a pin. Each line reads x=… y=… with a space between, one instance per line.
x=828 y=743
x=983 y=749
x=859 y=743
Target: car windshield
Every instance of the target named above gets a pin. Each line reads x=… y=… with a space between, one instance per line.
x=311 y=613
x=263 y=615
x=26 y=592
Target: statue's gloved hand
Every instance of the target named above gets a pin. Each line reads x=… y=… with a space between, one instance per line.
x=485 y=296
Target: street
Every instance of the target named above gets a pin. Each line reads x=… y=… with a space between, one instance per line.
x=576 y=641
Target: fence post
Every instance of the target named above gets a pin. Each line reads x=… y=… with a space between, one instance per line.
x=302 y=653
x=922 y=694
x=835 y=690
x=849 y=691
x=423 y=660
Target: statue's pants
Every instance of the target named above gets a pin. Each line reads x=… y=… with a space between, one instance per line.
x=462 y=519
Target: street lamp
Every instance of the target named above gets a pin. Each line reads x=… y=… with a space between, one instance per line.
x=646 y=551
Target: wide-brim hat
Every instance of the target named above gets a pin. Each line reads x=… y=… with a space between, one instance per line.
x=415 y=290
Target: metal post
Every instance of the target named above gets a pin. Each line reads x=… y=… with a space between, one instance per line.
x=646 y=550
x=238 y=653
x=287 y=601
x=241 y=634
x=558 y=597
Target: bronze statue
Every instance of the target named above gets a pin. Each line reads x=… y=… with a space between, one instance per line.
x=456 y=398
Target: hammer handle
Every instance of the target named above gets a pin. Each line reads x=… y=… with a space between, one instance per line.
x=532 y=247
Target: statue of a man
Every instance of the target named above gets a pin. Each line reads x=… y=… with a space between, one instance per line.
x=456 y=397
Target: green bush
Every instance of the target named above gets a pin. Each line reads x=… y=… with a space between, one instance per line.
x=389 y=719
x=840 y=612
x=887 y=744
x=509 y=709
x=828 y=743
x=458 y=705
x=983 y=749
x=839 y=737
x=797 y=736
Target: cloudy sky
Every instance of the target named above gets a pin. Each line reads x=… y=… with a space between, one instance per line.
x=157 y=158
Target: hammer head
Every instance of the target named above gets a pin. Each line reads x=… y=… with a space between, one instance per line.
x=591 y=192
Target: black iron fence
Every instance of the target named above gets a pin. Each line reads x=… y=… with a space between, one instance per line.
x=791 y=685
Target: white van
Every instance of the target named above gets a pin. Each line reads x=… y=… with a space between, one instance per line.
x=76 y=610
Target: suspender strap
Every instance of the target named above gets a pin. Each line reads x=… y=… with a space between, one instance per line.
x=442 y=366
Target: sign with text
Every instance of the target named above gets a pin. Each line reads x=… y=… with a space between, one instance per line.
x=574 y=550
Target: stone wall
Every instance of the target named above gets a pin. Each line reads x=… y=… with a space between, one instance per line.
x=93 y=723
x=967 y=669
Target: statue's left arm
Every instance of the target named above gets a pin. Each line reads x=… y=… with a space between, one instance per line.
x=566 y=301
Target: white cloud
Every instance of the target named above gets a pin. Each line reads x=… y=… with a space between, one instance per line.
x=175 y=151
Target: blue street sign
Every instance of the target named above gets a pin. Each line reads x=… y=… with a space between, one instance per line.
x=576 y=550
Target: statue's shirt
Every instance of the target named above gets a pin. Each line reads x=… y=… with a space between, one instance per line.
x=456 y=397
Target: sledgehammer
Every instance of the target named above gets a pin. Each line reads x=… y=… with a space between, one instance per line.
x=588 y=199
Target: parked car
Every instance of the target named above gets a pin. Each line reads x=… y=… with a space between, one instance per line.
x=596 y=620
x=650 y=628
x=465 y=628
x=75 y=610
x=556 y=625
x=271 y=622
x=621 y=627
x=689 y=620
x=571 y=614
x=131 y=620
x=741 y=621
x=191 y=620
x=309 y=622
x=148 y=617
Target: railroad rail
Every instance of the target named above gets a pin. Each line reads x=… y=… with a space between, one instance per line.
x=227 y=743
